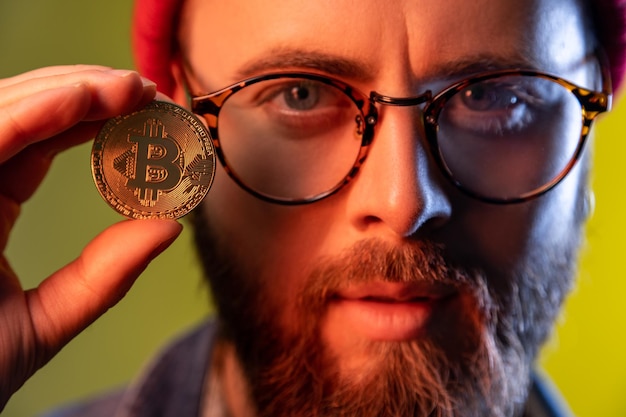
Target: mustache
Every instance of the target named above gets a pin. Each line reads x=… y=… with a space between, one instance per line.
x=377 y=260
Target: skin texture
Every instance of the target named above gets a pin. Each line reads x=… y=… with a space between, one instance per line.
x=510 y=264
x=42 y=113
x=285 y=277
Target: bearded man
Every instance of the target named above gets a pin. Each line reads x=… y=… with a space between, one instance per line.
x=395 y=221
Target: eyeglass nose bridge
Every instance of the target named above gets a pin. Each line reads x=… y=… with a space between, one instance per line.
x=377 y=98
x=401 y=101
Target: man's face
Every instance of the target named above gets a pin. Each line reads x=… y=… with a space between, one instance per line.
x=398 y=294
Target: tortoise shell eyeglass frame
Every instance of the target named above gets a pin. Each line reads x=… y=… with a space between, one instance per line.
x=592 y=104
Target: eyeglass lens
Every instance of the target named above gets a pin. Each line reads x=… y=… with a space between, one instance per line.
x=503 y=137
x=509 y=136
x=290 y=138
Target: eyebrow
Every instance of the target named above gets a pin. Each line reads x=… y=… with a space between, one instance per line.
x=473 y=64
x=278 y=59
x=287 y=58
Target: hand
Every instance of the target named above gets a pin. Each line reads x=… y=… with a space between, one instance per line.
x=42 y=113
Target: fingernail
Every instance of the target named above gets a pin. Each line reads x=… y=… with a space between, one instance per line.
x=148 y=83
x=123 y=72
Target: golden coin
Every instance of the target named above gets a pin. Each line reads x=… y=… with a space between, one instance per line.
x=158 y=162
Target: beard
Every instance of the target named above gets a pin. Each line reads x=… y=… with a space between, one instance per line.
x=476 y=364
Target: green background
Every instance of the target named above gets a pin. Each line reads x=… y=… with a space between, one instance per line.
x=585 y=358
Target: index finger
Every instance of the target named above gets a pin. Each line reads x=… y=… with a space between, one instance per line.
x=50 y=112
x=48 y=72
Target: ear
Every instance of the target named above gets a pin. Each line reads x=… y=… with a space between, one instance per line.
x=589 y=204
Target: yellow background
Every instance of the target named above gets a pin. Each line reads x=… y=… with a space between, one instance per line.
x=586 y=357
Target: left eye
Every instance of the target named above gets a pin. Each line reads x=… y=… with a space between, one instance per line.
x=497 y=107
x=484 y=97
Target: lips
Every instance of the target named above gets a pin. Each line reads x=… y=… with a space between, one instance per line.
x=384 y=311
x=395 y=291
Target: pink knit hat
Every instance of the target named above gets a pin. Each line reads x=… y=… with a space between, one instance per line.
x=155 y=23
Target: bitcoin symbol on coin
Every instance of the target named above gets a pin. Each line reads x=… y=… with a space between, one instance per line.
x=155 y=164
x=158 y=162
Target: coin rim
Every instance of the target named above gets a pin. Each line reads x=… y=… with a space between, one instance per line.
x=113 y=199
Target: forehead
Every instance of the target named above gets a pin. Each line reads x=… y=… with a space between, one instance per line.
x=392 y=40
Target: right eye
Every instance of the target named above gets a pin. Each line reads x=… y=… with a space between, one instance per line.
x=301 y=107
x=300 y=97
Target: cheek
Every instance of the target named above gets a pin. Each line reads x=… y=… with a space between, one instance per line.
x=492 y=237
x=269 y=241
x=503 y=238
x=562 y=214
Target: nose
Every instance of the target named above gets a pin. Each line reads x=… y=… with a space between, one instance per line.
x=399 y=188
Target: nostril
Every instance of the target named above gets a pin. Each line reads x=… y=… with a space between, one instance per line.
x=435 y=213
x=371 y=220
x=430 y=225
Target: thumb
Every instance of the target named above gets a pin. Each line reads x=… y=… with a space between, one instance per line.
x=73 y=297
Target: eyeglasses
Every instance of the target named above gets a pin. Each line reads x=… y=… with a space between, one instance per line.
x=502 y=136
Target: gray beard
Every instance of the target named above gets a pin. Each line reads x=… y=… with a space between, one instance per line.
x=482 y=369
